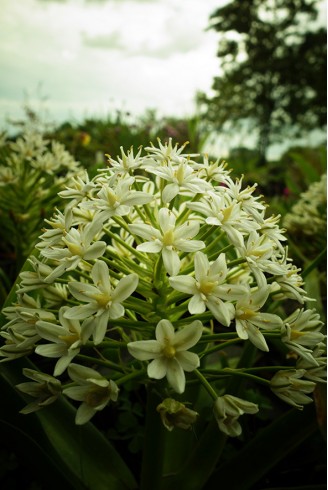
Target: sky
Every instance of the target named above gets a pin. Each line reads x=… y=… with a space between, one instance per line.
x=73 y=59
x=90 y=57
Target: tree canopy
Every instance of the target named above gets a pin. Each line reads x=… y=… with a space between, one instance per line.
x=273 y=59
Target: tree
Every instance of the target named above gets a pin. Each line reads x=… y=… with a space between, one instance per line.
x=273 y=60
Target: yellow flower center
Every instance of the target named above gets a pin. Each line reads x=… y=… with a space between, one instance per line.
x=96 y=397
x=75 y=248
x=103 y=299
x=69 y=339
x=169 y=351
x=168 y=238
x=206 y=287
x=245 y=314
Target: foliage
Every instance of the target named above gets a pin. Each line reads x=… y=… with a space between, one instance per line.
x=273 y=60
x=89 y=141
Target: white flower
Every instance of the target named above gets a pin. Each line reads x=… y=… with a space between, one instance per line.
x=78 y=246
x=209 y=288
x=102 y=300
x=168 y=239
x=66 y=339
x=167 y=152
x=289 y=386
x=169 y=352
x=127 y=163
x=182 y=177
x=46 y=389
x=301 y=330
x=94 y=391
x=116 y=200
x=228 y=409
x=221 y=210
x=249 y=319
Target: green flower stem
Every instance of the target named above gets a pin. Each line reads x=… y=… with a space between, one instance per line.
x=157 y=277
x=101 y=362
x=205 y=231
x=215 y=244
x=149 y=215
x=154 y=446
x=237 y=372
x=143 y=258
x=175 y=297
x=242 y=260
x=206 y=384
x=217 y=336
x=133 y=375
x=137 y=305
x=127 y=323
x=218 y=347
x=185 y=213
x=203 y=317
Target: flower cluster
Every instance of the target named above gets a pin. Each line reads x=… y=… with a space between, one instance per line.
x=308 y=218
x=32 y=172
x=157 y=268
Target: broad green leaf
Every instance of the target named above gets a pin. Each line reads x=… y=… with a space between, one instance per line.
x=264 y=451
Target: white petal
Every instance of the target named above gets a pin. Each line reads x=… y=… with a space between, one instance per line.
x=196 y=305
x=51 y=350
x=164 y=332
x=157 y=368
x=95 y=250
x=188 y=336
x=189 y=245
x=187 y=230
x=169 y=192
x=171 y=261
x=166 y=219
x=145 y=231
x=144 y=350
x=100 y=275
x=116 y=311
x=126 y=286
x=189 y=361
x=84 y=414
x=185 y=284
x=201 y=265
x=223 y=312
x=175 y=375
x=150 y=247
x=82 y=292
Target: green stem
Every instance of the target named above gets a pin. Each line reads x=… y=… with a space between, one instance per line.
x=206 y=384
x=153 y=450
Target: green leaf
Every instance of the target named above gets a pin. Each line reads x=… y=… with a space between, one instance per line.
x=81 y=453
x=264 y=451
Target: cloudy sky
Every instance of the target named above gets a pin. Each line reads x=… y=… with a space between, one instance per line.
x=90 y=57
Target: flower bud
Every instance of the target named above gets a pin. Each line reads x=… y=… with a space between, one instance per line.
x=176 y=414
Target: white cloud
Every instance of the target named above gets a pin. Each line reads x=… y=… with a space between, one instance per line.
x=90 y=55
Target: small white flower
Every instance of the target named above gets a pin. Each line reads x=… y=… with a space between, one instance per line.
x=301 y=333
x=93 y=390
x=180 y=178
x=169 y=352
x=228 y=409
x=116 y=200
x=101 y=299
x=78 y=244
x=209 y=288
x=66 y=339
x=169 y=239
x=250 y=320
x=289 y=386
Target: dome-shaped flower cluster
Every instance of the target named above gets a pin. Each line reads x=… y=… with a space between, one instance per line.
x=162 y=257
